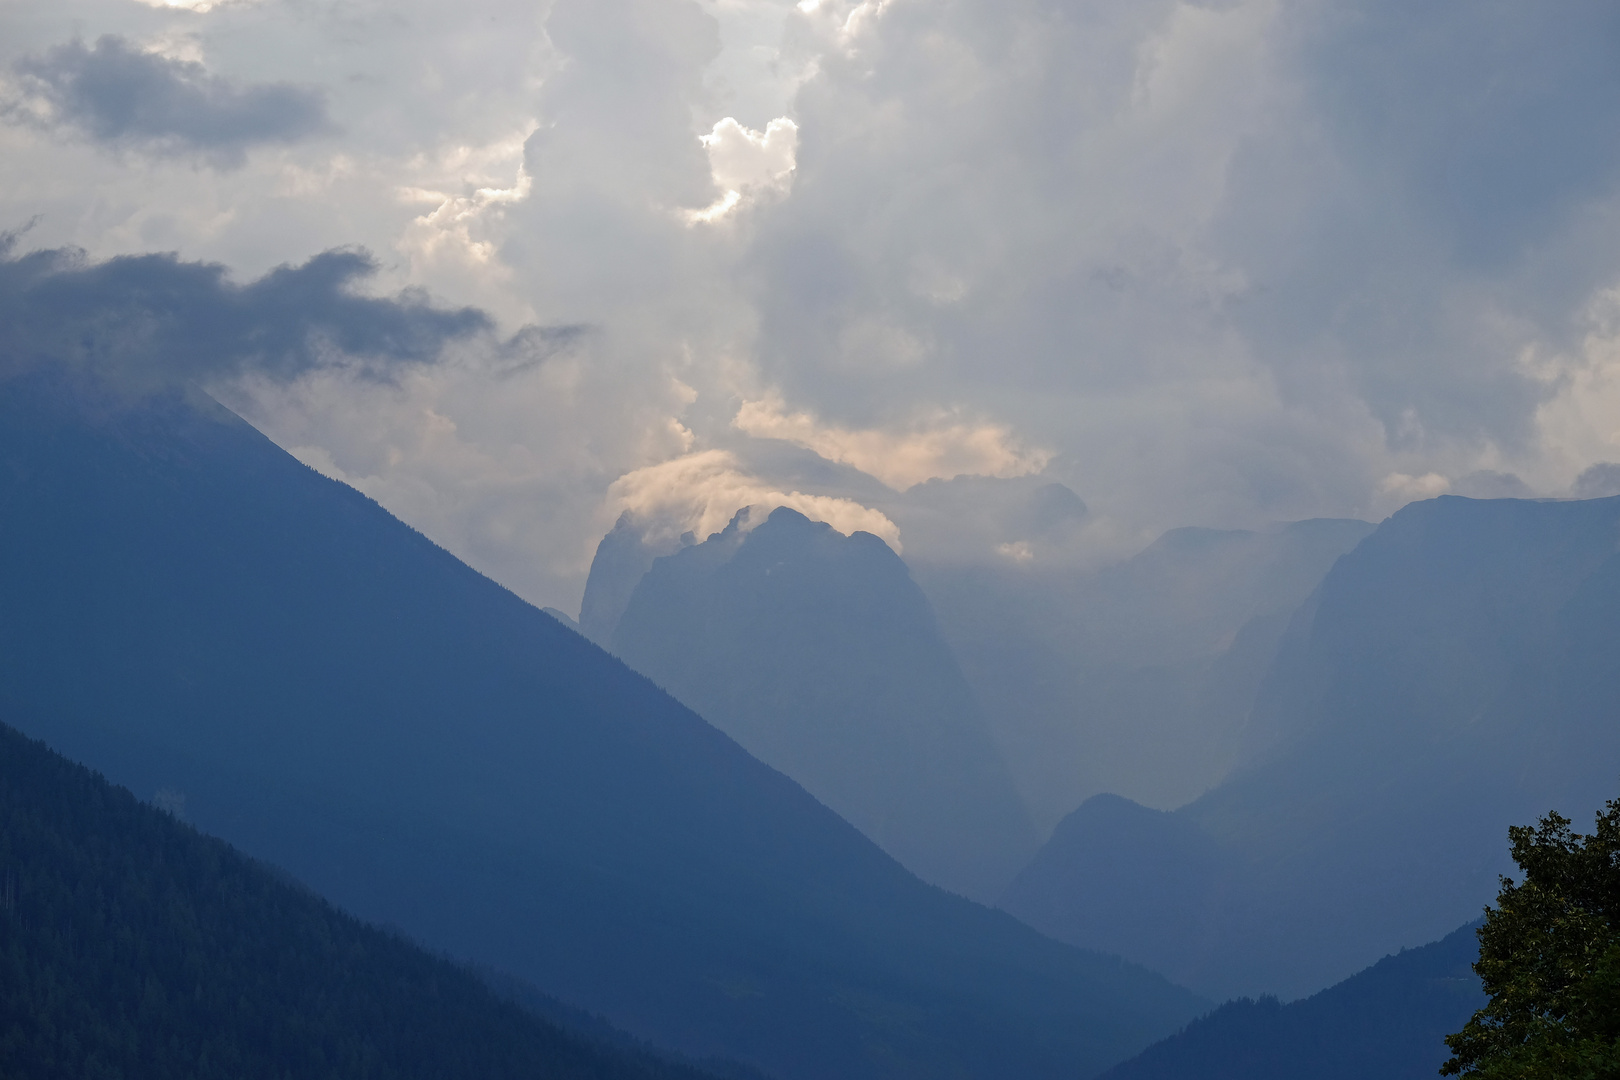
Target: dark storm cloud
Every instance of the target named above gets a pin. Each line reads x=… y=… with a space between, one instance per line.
x=122 y=97
x=1443 y=204
x=155 y=317
x=1492 y=118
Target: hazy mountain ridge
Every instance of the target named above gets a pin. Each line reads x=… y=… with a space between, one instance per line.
x=818 y=654
x=1451 y=676
x=1389 y=1021
x=1136 y=678
x=187 y=607
x=622 y=559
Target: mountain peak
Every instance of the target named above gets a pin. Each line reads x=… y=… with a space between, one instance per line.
x=819 y=654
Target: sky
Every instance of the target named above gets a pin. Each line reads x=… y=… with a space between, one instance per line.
x=514 y=269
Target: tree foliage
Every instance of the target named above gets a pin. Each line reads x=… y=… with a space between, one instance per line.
x=1549 y=958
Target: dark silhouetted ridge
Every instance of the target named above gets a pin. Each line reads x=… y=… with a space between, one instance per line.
x=134 y=947
x=1388 y=1022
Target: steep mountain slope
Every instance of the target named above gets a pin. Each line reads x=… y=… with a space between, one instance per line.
x=187 y=608
x=1136 y=679
x=1452 y=676
x=1389 y=1022
x=133 y=946
x=817 y=653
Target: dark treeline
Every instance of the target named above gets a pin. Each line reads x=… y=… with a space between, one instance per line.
x=132 y=946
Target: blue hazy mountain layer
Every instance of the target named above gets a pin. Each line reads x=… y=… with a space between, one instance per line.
x=818 y=653
x=1137 y=678
x=1389 y=1022
x=622 y=559
x=1451 y=676
x=133 y=946
x=185 y=607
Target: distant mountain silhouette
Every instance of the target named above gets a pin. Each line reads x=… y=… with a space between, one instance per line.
x=817 y=653
x=623 y=558
x=134 y=946
x=1136 y=679
x=564 y=618
x=1453 y=675
x=188 y=609
x=1388 y=1022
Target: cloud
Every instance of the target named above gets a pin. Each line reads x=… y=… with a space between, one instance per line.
x=1231 y=262
x=190 y=5
x=1600 y=481
x=127 y=99
x=1406 y=488
x=1578 y=422
x=505 y=461
x=1491 y=484
x=971 y=520
x=942 y=446
x=740 y=158
x=746 y=162
x=1471 y=106
x=839 y=22
x=457 y=223
x=1008 y=205
x=700 y=493
x=159 y=318
x=1220 y=262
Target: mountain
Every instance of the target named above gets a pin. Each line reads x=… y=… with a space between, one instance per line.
x=818 y=653
x=1451 y=676
x=1137 y=678
x=1389 y=1021
x=188 y=609
x=623 y=558
x=135 y=946
x=564 y=618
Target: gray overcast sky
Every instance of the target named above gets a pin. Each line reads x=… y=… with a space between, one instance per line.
x=1216 y=263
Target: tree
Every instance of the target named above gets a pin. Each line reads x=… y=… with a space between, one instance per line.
x=1549 y=956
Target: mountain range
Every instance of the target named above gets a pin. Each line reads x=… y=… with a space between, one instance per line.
x=1136 y=678
x=1451 y=676
x=190 y=610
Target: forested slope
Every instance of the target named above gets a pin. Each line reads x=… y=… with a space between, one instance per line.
x=132 y=946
